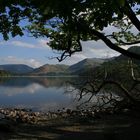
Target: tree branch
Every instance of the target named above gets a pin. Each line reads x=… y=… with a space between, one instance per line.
x=121 y=42
x=114 y=46
x=131 y=15
x=129 y=43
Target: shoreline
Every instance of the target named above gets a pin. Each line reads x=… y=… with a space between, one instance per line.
x=117 y=126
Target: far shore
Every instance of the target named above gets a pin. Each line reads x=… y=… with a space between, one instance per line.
x=43 y=76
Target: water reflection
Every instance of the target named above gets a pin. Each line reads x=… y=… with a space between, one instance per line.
x=38 y=93
x=52 y=93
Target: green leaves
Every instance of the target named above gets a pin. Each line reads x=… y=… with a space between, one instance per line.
x=12 y=12
x=78 y=19
x=121 y=2
x=16 y=31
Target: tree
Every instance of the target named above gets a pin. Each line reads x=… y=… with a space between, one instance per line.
x=114 y=86
x=66 y=23
x=12 y=14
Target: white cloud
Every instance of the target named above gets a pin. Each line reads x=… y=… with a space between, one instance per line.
x=91 y=49
x=22 y=44
x=14 y=60
x=43 y=43
x=97 y=49
x=79 y=56
x=34 y=63
x=30 y=89
x=38 y=43
x=128 y=46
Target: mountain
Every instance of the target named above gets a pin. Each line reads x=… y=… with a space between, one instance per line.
x=50 y=70
x=4 y=73
x=16 y=68
x=86 y=65
x=118 y=69
x=135 y=49
x=79 y=68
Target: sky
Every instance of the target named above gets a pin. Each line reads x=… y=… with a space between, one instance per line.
x=35 y=52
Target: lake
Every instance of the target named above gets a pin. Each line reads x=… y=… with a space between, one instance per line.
x=38 y=93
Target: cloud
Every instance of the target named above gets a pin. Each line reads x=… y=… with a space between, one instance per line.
x=38 y=43
x=43 y=43
x=17 y=43
x=40 y=50
x=22 y=44
x=91 y=49
x=30 y=89
x=14 y=60
x=97 y=49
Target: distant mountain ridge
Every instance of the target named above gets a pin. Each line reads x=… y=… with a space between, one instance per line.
x=135 y=49
x=76 y=69
x=119 y=68
x=16 y=68
x=58 y=69
x=84 y=67
x=50 y=69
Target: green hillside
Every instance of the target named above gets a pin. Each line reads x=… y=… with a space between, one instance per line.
x=118 y=69
x=4 y=73
x=86 y=66
x=51 y=70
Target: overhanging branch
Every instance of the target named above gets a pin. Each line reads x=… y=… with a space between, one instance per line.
x=131 y=15
x=114 y=46
x=121 y=42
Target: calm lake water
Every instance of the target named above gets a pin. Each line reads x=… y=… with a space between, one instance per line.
x=38 y=93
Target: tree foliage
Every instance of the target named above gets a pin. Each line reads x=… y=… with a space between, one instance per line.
x=12 y=14
x=68 y=22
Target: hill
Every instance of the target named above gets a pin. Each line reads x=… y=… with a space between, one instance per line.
x=16 y=68
x=86 y=65
x=4 y=73
x=135 y=49
x=119 y=69
x=79 y=68
x=50 y=70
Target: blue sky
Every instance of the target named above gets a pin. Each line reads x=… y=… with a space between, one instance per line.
x=35 y=52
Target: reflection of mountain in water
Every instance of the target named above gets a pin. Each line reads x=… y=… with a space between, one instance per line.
x=38 y=93
x=15 y=82
x=43 y=81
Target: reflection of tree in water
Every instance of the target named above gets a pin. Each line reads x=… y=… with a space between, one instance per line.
x=108 y=92
x=89 y=97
